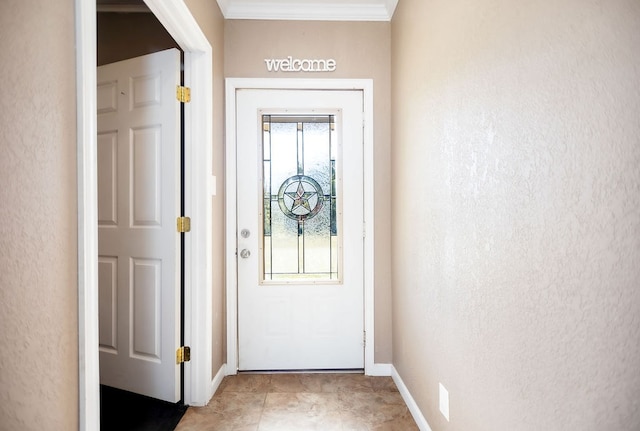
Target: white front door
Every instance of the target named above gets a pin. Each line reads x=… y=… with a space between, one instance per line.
x=138 y=246
x=300 y=229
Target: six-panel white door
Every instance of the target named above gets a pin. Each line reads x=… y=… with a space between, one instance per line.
x=138 y=202
x=290 y=317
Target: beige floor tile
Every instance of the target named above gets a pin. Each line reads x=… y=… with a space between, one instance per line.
x=293 y=382
x=381 y=384
x=302 y=402
x=194 y=421
x=231 y=403
x=300 y=421
x=246 y=383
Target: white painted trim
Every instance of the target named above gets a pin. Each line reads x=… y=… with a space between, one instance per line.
x=86 y=137
x=369 y=236
x=182 y=26
x=391 y=7
x=409 y=401
x=380 y=10
x=217 y=380
x=177 y=19
x=383 y=370
x=233 y=84
x=198 y=193
x=230 y=249
x=282 y=10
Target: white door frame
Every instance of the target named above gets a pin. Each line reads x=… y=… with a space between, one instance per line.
x=234 y=84
x=175 y=16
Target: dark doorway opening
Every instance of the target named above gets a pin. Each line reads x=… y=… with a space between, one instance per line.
x=125 y=411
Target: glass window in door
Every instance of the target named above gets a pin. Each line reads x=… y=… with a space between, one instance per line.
x=301 y=240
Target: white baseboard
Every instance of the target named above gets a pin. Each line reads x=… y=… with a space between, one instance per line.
x=379 y=370
x=411 y=403
x=217 y=379
x=230 y=370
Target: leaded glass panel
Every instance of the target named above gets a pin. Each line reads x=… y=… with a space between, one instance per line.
x=301 y=241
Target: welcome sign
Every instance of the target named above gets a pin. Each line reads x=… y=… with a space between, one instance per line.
x=290 y=64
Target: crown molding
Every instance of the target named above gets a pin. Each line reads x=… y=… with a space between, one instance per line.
x=331 y=11
x=391 y=7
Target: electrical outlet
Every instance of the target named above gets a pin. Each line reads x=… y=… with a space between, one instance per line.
x=444 y=402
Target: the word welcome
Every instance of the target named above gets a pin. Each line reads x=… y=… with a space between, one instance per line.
x=290 y=64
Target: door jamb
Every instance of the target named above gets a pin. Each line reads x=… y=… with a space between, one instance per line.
x=234 y=84
x=175 y=16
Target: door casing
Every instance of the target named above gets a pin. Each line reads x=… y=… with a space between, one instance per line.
x=234 y=84
x=199 y=383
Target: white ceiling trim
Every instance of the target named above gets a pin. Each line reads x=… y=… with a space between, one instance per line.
x=381 y=10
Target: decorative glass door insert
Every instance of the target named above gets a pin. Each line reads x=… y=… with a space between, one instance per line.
x=301 y=240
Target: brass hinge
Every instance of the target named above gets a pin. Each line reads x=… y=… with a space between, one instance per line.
x=183 y=94
x=184 y=224
x=183 y=354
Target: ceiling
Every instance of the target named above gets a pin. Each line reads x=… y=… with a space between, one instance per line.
x=316 y=10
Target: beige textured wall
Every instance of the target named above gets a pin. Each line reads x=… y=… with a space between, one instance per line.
x=38 y=209
x=362 y=50
x=211 y=22
x=516 y=221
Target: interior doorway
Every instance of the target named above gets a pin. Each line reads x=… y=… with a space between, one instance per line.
x=140 y=151
x=177 y=19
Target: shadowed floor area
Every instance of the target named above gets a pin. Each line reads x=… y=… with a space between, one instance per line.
x=302 y=402
x=125 y=411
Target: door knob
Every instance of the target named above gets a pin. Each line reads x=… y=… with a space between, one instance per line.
x=245 y=253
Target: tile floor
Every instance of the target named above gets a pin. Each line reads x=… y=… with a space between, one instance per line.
x=302 y=402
